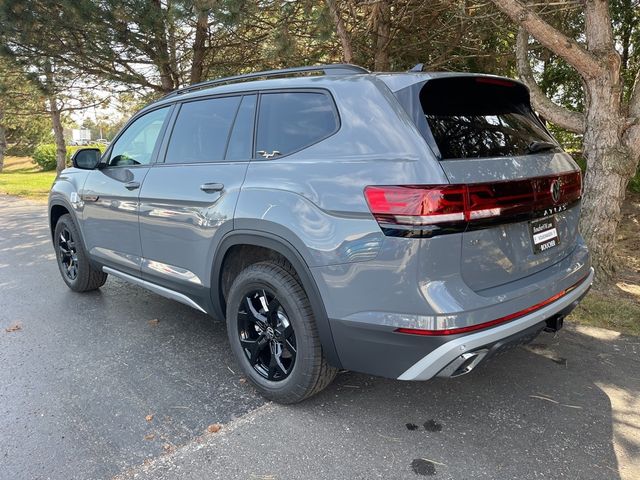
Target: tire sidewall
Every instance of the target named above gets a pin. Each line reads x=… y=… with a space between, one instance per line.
x=292 y=302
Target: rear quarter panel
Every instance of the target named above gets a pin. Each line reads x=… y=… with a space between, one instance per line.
x=314 y=198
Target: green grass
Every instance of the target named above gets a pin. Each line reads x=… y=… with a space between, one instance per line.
x=605 y=311
x=22 y=177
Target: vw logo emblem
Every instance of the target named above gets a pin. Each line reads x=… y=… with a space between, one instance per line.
x=555 y=191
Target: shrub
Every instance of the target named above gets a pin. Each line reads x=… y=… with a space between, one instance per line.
x=45 y=154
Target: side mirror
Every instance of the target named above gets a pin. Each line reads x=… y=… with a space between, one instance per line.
x=86 y=158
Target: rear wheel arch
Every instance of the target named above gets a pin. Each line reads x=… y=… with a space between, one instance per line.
x=245 y=248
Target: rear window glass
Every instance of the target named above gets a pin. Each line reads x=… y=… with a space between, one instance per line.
x=241 y=139
x=201 y=130
x=479 y=117
x=290 y=121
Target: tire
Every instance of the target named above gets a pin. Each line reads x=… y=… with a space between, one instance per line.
x=287 y=303
x=73 y=262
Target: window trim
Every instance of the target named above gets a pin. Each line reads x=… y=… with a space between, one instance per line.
x=253 y=132
x=104 y=159
x=162 y=154
x=322 y=91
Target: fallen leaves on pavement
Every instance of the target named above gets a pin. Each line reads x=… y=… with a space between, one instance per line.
x=168 y=448
x=16 y=327
x=149 y=417
x=154 y=322
x=150 y=436
x=214 y=428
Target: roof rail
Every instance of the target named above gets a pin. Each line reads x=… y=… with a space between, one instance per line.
x=333 y=69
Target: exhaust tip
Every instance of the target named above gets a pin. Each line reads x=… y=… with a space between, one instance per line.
x=463 y=364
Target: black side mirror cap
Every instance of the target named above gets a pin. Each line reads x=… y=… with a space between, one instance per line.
x=86 y=158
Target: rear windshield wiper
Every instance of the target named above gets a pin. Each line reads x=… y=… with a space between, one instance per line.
x=540 y=146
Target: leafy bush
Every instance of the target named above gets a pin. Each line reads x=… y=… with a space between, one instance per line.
x=45 y=154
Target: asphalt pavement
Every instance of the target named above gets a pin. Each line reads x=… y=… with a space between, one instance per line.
x=124 y=383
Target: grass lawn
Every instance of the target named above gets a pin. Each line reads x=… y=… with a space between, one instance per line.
x=22 y=177
x=608 y=311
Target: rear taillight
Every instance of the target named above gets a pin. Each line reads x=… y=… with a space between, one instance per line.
x=428 y=210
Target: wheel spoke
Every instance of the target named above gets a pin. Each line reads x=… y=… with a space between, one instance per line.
x=272 y=368
x=255 y=347
x=285 y=333
x=264 y=302
x=258 y=318
x=280 y=367
x=275 y=363
x=272 y=314
x=289 y=346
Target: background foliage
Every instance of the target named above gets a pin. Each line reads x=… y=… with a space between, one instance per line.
x=45 y=154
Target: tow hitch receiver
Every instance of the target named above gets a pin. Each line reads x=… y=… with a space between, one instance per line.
x=554 y=323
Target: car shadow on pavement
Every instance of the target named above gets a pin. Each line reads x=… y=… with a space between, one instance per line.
x=567 y=406
x=564 y=407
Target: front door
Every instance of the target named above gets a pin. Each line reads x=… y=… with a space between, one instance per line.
x=187 y=201
x=110 y=194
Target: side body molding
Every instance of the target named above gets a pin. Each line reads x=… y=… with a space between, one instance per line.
x=284 y=248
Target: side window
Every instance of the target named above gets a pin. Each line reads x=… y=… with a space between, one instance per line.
x=201 y=130
x=241 y=139
x=135 y=146
x=290 y=121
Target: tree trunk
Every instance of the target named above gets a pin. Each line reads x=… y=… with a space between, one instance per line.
x=343 y=35
x=3 y=145
x=605 y=186
x=611 y=139
x=199 y=48
x=383 y=34
x=610 y=166
x=161 y=53
x=58 y=133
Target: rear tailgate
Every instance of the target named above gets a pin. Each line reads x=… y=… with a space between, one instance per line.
x=523 y=191
x=508 y=249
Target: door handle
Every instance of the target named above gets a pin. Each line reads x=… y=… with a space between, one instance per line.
x=132 y=185
x=211 y=187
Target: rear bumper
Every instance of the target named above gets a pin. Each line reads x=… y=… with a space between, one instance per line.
x=377 y=349
x=488 y=340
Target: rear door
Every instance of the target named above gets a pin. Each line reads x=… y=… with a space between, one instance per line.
x=188 y=198
x=523 y=190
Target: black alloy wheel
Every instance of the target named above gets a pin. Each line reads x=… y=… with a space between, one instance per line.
x=73 y=261
x=266 y=335
x=273 y=334
x=68 y=254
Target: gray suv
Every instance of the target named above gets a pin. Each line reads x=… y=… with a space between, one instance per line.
x=407 y=225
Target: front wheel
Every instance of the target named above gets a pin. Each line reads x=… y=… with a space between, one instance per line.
x=73 y=261
x=273 y=334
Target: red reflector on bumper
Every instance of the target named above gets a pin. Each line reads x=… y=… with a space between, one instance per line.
x=491 y=323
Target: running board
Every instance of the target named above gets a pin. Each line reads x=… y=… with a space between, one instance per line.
x=162 y=291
